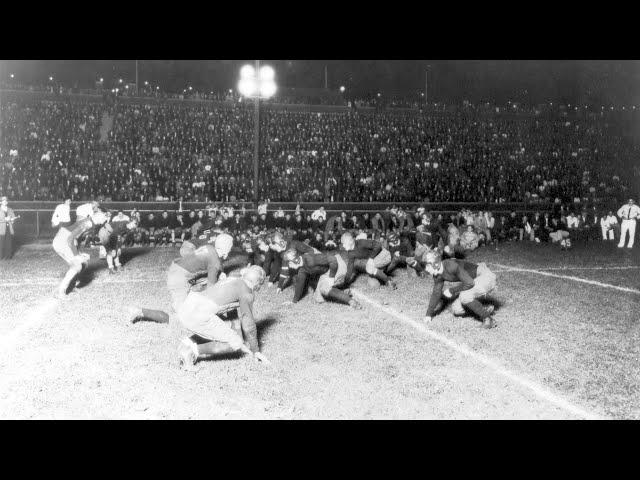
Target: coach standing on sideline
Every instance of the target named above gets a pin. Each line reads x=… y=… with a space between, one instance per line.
x=629 y=214
x=62 y=214
x=6 y=229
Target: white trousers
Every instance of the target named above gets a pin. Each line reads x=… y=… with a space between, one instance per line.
x=627 y=226
x=611 y=233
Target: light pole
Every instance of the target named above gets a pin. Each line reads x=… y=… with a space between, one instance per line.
x=257 y=83
x=426 y=85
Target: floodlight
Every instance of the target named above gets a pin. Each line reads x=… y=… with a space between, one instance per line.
x=247 y=86
x=247 y=72
x=266 y=73
x=267 y=89
x=342 y=89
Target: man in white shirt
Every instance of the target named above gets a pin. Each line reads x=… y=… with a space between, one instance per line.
x=572 y=221
x=86 y=210
x=607 y=223
x=62 y=214
x=629 y=214
x=320 y=213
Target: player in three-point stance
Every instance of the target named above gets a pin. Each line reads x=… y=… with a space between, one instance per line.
x=211 y=335
x=475 y=281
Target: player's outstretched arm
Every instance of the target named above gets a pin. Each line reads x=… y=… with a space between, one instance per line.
x=249 y=329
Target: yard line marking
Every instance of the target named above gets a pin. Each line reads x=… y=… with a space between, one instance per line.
x=536 y=388
x=621 y=267
x=34 y=317
x=55 y=282
x=567 y=277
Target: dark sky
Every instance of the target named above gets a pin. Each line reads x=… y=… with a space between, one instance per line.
x=533 y=81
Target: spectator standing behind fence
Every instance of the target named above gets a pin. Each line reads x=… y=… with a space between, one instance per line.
x=62 y=215
x=629 y=214
x=7 y=217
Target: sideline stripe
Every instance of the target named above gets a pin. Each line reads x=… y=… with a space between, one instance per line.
x=536 y=388
x=507 y=268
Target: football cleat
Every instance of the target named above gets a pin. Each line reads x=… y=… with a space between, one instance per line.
x=392 y=285
x=490 y=309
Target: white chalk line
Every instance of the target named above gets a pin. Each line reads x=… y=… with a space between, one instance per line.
x=507 y=268
x=33 y=318
x=536 y=388
x=52 y=282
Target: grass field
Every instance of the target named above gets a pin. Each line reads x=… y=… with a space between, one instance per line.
x=567 y=346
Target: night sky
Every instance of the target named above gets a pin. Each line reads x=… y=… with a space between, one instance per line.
x=615 y=83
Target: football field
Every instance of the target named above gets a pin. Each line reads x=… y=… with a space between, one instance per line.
x=567 y=345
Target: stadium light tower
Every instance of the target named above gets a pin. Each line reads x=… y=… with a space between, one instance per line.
x=257 y=83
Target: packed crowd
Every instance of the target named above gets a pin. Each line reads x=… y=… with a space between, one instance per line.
x=202 y=153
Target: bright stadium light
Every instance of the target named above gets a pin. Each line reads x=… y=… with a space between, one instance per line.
x=146 y=83
x=267 y=89
x=12 y=75
x=247 y=72
x=267 y=73
x=101 y=79
x=261 y=85
x=120 y=80
x=342 y=89
x=51 y=79
x=247 y=86
x=190 y=88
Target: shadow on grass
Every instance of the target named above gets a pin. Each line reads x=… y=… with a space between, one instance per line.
x=133 y=252
x=263 y=326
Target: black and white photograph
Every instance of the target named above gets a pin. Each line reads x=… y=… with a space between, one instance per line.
x=319 y=239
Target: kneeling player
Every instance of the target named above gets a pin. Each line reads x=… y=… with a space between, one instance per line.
x=476 y=281
x=402 y=255
x=369 y=257
x=332 y=270
x=65 y=245
x=211 y=334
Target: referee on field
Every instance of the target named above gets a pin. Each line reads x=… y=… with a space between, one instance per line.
x=629 y=214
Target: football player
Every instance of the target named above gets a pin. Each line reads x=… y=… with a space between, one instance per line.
x=207 y=258
x=65 y=245
x=112 y=238
x=331 y=269
x=293 y=248
x=475 y=281
x=369 y=257
x=401 y=254
x=200 y=311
